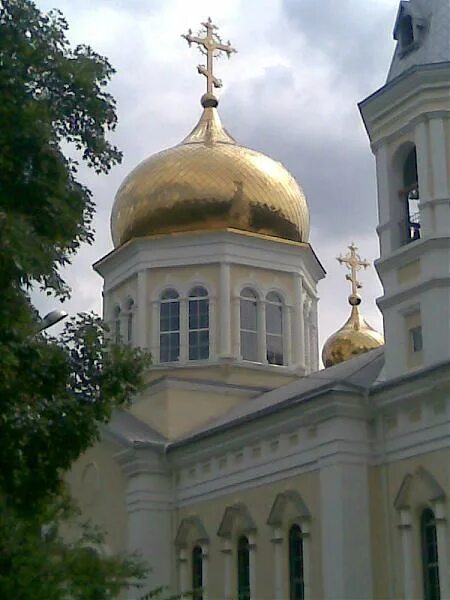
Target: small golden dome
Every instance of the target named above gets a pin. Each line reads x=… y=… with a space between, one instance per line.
x=209 y=182
x=356 y=336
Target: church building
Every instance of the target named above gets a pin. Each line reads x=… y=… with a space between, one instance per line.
x=245 y=471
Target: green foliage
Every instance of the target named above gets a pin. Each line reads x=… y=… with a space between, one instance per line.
x=54 y=393
x=37 y=563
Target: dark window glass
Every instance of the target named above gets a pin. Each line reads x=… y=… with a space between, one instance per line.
x=249 y=325
x=198 y=324
x=274 y=329
x=117 y=332
x=169 y=326
x=197 y=573
x=296 y=585
x=416 y=339
x=243 y=568
x=430 y=561
x=130 y=319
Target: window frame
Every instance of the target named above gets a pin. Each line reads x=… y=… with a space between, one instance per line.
x=428 y=523
x=247 y=331
x=197 y=295
x=170 y=333
x=117 y=324
x=130 y=311
x=296 y=579
x=243 y=568
x=197 y=572
x=279 y=303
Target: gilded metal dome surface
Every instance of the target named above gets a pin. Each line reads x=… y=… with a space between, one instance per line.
x=356 y=336
x=209 y=182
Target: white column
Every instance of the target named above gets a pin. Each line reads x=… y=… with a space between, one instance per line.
x=154 y=331
x=407 y=553
x=225 y=311
x=183 y=571
x=237 y=328
x=262 y=354
x=149 y=505
x=252 y=566
x=424 y=177
x=287 y=335
x=298 y=341
x=277 y=541
x=442 y=543
x=306 y=334
x=306 y=541
x=184 y=329
x=439 y=159
x=205 y=556
x=345 y=528
x=213 y=341
x=227 y=557
x=438 y=147
x=142 y=311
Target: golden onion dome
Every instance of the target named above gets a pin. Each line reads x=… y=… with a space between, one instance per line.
x=209 y=182
x=356 y=336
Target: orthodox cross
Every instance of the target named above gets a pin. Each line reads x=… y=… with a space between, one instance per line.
x=354 y=263
x=211 y=45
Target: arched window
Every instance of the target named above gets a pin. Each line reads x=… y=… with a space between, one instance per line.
x=198 y=324
x=274 y=329
x=296 y=585
x=249 y=324
x=409 y=196
x=130 y=318
x=430 y=565
x=197 y=573
x=117 y=332
x=169 y=326
x=243 y=568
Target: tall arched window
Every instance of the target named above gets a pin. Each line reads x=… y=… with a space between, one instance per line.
x=169 y=326
x=296 y=584
x=243 y=568
x=409 y=196
x=197 y=573
x=198 y=324
x=430 y=564
x=130 y=319
x=116 y=325
x=249 y=324
x=274 y=329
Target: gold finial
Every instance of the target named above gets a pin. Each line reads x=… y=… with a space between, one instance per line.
x=354 y=263
x=211 y=45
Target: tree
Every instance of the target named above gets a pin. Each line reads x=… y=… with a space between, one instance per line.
x=54 y=394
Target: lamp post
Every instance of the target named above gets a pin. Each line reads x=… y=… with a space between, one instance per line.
x=50 y=319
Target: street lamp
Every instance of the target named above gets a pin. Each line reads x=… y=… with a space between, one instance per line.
x=53 y=317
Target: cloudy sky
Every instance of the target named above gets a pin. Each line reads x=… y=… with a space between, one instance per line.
x=290 y=92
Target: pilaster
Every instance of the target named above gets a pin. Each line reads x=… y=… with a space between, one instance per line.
x=149 y=506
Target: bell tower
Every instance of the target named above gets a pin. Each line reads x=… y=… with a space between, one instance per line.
x=408 y=122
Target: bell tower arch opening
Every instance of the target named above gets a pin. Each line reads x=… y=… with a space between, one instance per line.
x=406 y=186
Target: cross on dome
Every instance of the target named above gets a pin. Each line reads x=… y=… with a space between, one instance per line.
x=211 y=45
x=354 y=263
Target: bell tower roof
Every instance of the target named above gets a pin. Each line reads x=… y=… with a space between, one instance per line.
x=422 y=32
